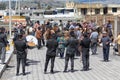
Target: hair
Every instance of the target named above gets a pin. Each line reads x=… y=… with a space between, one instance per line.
x=39 y=28
x=20 y=36
x=72 y=34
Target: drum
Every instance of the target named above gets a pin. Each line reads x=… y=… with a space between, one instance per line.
x=32 y=41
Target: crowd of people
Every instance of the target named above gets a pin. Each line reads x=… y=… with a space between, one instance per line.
x=62 y=40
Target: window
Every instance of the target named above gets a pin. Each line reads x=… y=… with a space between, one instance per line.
x=84 y=11
x=114 y=9
x=105 y=10
x=97 y=11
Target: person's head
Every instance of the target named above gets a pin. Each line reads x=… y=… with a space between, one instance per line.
x=104 y=33
x=2 y=29
x=20 y=36
x=60 y=20
x=38 y=22
x=85 y=34
x=72 y=34
x=53 y=36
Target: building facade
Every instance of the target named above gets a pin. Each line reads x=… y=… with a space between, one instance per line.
x=95 y=8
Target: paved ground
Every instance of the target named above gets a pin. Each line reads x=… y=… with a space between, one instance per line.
x=99 y=70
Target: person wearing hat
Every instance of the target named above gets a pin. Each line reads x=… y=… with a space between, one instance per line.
x=106 y=46
x=85 y=45
x=20 y=47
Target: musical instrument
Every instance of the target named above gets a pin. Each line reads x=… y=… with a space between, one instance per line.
x=31 y=41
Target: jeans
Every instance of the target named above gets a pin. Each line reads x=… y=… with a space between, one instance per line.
x=23 y=64
x=2 y=54
x=106 y=53
x=85 y=58
x=94 y=48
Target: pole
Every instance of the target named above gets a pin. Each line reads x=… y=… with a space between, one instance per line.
x=19 y=7
x=90 y=9
x=10 y=18
x=16 y=6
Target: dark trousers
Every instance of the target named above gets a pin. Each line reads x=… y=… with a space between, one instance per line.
x=43 y=42
x=26 y=57
x=39 y=42
x=2 y=54
x=47 y=61
x=94 y=48
x=23 y=64
x=61 y=51
x=67 y=57
x=85 y=58
x=106 y=53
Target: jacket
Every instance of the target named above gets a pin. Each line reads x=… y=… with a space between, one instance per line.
x=51 y=45
x=20 y=46
x=38 y=34
x=3 y=40
x=71 y=45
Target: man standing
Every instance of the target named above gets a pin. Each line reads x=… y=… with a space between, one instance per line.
x=106 y=46
x=94 y=39
x=20 y=46
x=70 y=51
x=51 y=45
x=85 y=44
x=3 y=44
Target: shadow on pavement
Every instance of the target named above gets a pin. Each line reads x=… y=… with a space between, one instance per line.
x=33 y=62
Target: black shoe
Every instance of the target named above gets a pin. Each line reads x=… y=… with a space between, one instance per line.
x=45 y=72
x=26 y=64
x=24 y=74
x=72 y=70
x=52 y=72
x=65 y=71
x=83 y=70
x=17 y=74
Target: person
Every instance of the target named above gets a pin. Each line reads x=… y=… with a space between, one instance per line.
x=118 y=43
x=94 y=39
x=3 y=43
x=26 y=51
x=106 y=46
x=70 y=51
x=109 y=29
x=85 y=45
x=20 y=47
x=60 y=25
x=61 y=46
x=38 y=36
x=51 y=45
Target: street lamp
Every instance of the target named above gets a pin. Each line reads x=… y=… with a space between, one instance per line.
x=10 y=18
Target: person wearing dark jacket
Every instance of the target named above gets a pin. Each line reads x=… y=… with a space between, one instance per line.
x=70 y=51
x=85 y=44
x=20 y=47
x=3 y=43
x=51 y=45
x=106 y=46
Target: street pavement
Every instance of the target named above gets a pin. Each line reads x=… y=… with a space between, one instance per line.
x=36 y=58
